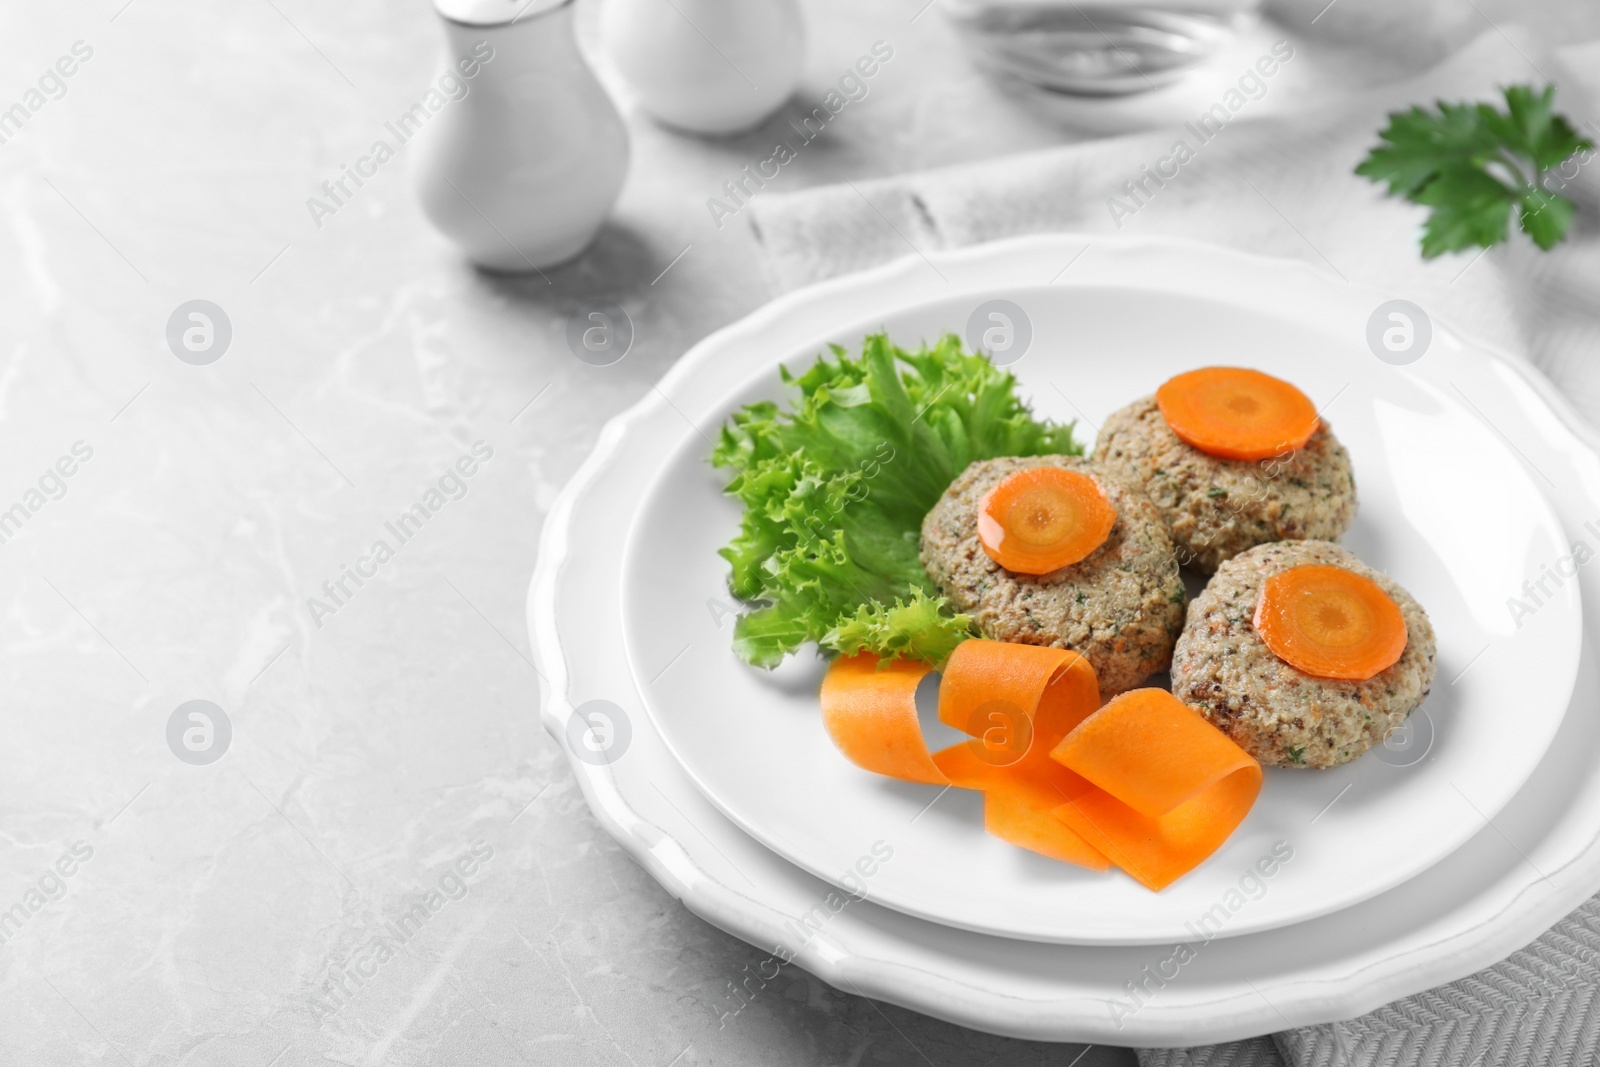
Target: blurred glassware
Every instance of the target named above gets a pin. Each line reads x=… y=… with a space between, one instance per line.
x=1099 y=47
x=713 y=67
x=524 y=158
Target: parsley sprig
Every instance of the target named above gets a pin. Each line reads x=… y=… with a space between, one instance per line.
x=1473 y=164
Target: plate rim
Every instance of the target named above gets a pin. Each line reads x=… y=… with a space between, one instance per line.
x=671 y=862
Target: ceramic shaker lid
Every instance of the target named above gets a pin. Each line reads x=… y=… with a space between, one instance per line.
x=495 y=12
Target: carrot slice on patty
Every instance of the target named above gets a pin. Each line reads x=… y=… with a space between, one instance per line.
x=1236 y=413
x=1041 y=519
x=1330 y=622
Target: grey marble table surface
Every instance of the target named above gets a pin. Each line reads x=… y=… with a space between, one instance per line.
x=170 y=525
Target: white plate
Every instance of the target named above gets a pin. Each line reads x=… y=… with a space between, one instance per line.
x=1446 y=509
x=1499 y=890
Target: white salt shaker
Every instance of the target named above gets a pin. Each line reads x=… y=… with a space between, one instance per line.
x=707 y=66
x=523 y=160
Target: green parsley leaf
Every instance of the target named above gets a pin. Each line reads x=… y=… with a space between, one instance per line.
x=1545 y=217
x=1470 y=208
x=1420 y=142
x=1473 y=165
x=1531 y=128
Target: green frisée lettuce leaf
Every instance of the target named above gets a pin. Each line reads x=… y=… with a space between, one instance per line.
x=921 y=628
x=835 y=487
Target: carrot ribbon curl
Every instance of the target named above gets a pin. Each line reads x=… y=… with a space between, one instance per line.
x=1143 y=782
x=1169 y=786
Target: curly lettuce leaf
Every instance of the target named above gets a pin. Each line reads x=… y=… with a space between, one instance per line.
x=835 y=488
x=921 y=628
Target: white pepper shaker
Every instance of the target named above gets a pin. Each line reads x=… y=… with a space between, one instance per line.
x=523 y=160
x=707 y=66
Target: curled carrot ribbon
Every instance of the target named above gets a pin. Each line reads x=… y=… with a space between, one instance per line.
x=1143 y=782
x=1169 y=787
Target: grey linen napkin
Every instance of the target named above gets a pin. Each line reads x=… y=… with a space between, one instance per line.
x=1282 y=185
x=1540 y=1006
x=1278 y=186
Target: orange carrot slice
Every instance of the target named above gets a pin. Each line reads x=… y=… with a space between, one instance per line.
x=1167 y=787
x=1330 y=622
x=1029 y=821
x=1041 y=519
x=871 y=714
x=1236 y=413
x=1019 y=803
x=1017 y=702
x=1144 y=782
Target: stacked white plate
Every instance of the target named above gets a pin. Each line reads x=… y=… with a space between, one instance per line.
x=1460 y=840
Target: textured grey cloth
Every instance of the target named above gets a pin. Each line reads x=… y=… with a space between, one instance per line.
x=1541 y=1005
x=1282 y=185
x=1256 y=1052
x=1278 y=186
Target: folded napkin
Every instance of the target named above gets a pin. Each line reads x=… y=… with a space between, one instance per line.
x=1282 y=185
x=1278 y=186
